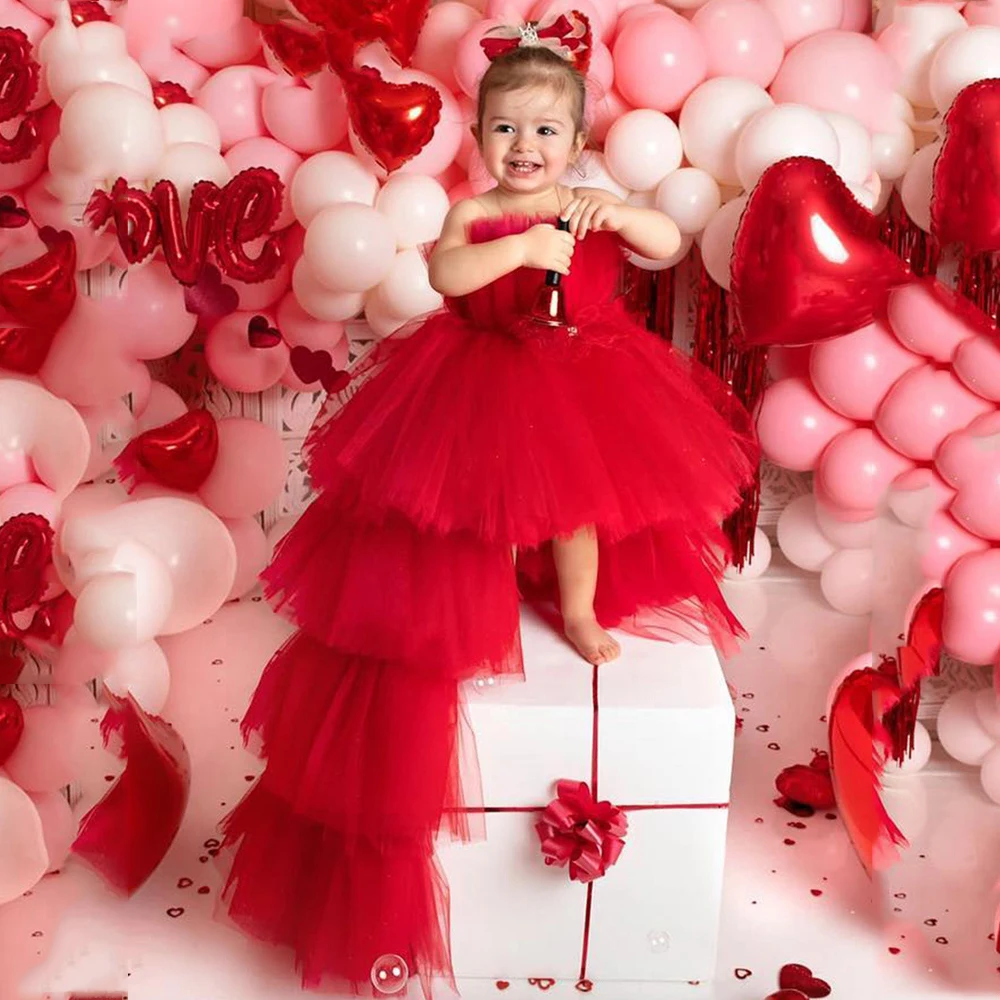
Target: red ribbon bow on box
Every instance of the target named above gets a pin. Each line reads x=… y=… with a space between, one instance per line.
x=567 y=35
x=575 y=830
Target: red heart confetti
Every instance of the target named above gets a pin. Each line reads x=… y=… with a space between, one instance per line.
x=502 y=984
x=261 y=335
x=800 y=977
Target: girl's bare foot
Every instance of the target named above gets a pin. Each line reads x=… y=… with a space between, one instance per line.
x=592 y=642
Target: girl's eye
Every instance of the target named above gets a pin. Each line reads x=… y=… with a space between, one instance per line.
x=546 y=130
x=504 y=128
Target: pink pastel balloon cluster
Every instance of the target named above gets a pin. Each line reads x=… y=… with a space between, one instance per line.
x=969 y=731
x=906 y=410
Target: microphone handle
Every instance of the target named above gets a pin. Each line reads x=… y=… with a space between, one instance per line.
x=552 y=278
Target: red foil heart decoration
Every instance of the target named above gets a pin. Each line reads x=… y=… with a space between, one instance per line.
x=786 y=995
x=261 y=334
x=394 y=121
x=179 y=455
x=349 y=24
x=965 y=207
x=210 y=298
x=800 y=977
x=317 y=366
x=12 y=215
x=807 y=262
x=167 y=92
x=302 y=53
x=19 y=75
x=85 y=11
x=11 y=726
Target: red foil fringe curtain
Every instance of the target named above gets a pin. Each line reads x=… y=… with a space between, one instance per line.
x=979 y=282
x=744 y=371
x=920 y=250
x=649 y=297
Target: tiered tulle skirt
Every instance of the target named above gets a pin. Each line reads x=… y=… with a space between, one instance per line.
x=463 y=445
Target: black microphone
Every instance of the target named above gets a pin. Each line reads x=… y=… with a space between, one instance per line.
x=552 y=278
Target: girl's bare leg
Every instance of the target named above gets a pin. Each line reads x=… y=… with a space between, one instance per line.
x=576 y=566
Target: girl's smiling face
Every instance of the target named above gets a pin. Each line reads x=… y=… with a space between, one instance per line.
x=528 y=137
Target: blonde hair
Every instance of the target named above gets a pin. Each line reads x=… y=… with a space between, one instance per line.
x=533 y=66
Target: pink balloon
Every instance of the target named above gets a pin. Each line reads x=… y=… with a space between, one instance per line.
x=236 y=363
x=794 y=426
x=983 y=12
x=164 y=62
x=111 y=427
x=636 y=12
x=977 y=504
x=14 y=176
x=30 y=498
x=601 y=23
x=146 y=24
x=250 y=471
x=659 y=61
x=971 y=625
x=961 y=453
x=46 y=757
x=252 y=554
x=601 y=74
x=461 y=192
x=917 y=494
x=300 y=329
x=742 y=38
x=15 y=14
x=470 y=60
x=232 y=47
x=233 y=98
x=944 y=542
x=92 y=248
x=840 y=71
x=15 y=468
x=150 y=315
x=801 y=18
x=856 y=469
x=977 y=364
x=268 y=152
x=929 y=319
x=509 y=11
x=77 y=662
x=446 y=25
x=857 y=16
x=59 y=827
x=923 y=408
x=852 y=374
x=605 y=112
x=256 y=296
x=306 y=115
x=163 y=406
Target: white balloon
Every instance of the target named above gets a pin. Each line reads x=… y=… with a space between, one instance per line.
x=642 y=147
x=648 y=264
x=23 y=857
x=988 y=711
x=317 y=300
x=415 y=206
x=799 y=535
x=892 y=151
x=328 y=179
x=380 y=320
x=591 y=171
x=690 y=196
x=187 y=163
x=111 y=131
x=141 y=671
x=863 y=195
x=959 y=731
x=406 y=290
x=914 y=761
x=961 y=59
x=989 y=775
x=847 y=580
x=780 y=132
x=913 y=38
x=718 y=238
x=845 y=534
x=350 y=247
x=865 y=661
x=712 y=118
x=759 y=562
x=917 y=185
x=189 y=123
x=855 y=163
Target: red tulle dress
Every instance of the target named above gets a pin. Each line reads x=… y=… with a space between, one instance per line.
x=477 y=433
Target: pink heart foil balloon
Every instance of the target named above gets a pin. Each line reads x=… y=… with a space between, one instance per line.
x=923 y=408
x=857 y=467
x=852 y=374
x=794 y=426
x=971 y=623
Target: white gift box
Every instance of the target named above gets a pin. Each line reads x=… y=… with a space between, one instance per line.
x=665 y=725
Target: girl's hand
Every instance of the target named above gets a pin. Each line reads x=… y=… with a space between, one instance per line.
x=547 y=248
x=589 y=214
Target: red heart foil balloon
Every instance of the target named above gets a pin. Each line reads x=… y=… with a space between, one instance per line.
x=302 y=53
x=261 y=334
x=394 y=121
x=352 y=23
x=800 y=977
x=11 y=726
x=12 y=215
x=807 y=262
x=179 y=455
x=965 y=207
x=19 y=75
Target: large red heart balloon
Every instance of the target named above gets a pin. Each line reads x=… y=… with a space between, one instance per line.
x=807 y=262
x=394 y=121
x=353 y=23
x=302 y=53
x=965 y=207
x=179 y=455
x=11 y=726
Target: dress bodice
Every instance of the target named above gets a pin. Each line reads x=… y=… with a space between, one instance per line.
x=590 y=288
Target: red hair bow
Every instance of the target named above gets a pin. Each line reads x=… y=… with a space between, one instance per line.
x=567 y=35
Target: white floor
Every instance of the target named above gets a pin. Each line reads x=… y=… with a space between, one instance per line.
x=794 y=891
